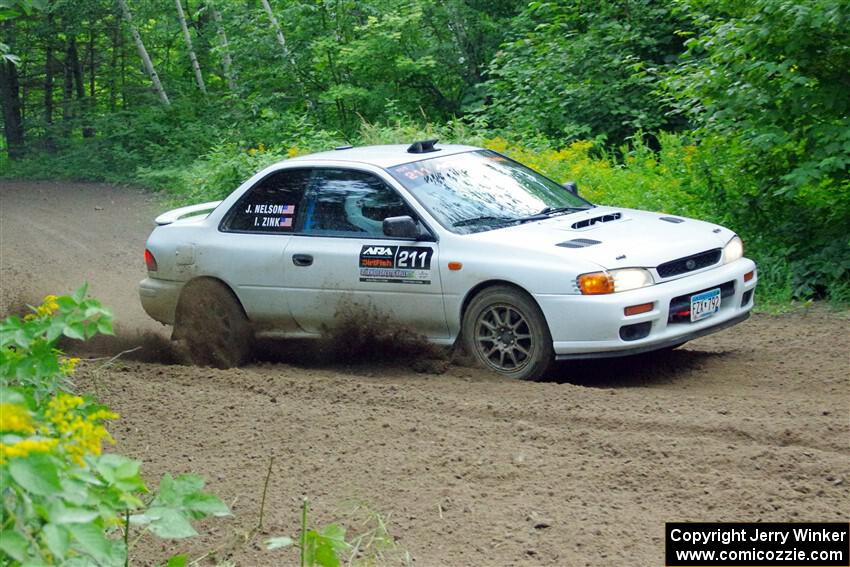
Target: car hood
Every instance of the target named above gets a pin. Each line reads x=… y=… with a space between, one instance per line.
x=614 y=237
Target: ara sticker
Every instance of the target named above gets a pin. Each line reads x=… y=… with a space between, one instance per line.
x=396 y=264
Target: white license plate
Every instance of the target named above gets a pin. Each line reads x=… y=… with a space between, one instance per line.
x=705 y=304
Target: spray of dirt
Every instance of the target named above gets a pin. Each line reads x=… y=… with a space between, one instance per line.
x=141 y=346
x=127 y=343
x=359 y=335
x=364 y=333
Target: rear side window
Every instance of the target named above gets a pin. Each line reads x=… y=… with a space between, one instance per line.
x=271 y=205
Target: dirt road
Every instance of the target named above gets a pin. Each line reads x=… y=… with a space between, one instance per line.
x=752 y=424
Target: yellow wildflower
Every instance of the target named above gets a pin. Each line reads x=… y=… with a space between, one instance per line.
x=252 y=152
x=68 y=365
x=261 y=148
x=293 y=151
x=25 y=447
x=48 y=306
x=14 y=418
x=79 y=434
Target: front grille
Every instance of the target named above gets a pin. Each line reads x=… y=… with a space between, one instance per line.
x=680 y=307
x=689 y=263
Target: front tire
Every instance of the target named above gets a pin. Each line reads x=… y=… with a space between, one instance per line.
x=211 y=321
x=505 y=331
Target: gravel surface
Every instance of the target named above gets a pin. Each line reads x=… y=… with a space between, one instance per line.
x=752 y=424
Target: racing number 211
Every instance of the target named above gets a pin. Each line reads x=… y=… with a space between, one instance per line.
x=414 y=258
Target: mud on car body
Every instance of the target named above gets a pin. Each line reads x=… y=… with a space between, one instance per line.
x=458 y=243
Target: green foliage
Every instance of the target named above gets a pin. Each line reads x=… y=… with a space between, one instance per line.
x=179 y=501
x=316 y=548
x=328 y=546
x=10 y=9
x=584 y=71
x=770 y=79
x=63 y=501
x=774 y=76
x=28 y=355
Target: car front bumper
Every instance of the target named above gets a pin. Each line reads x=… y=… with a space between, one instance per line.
x=159 y=298
x=590 y=326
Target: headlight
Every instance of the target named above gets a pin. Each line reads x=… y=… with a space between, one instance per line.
x=631 y=278
x=624 y=279
x=734 y=250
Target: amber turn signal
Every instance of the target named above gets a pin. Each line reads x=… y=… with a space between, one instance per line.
x=596 y=283
x=455 y=266
x=638 y=309
x=749 y=275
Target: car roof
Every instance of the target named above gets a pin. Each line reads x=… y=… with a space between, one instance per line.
x=383 y=156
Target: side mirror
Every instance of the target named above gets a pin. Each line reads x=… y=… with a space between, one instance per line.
x=401 y=227
x=571 y=187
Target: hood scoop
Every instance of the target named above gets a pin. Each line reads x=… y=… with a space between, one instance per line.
x=594 y=220
x=674 y=220
x=578 y=243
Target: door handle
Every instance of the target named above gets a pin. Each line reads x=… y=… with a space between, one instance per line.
x=302 y=259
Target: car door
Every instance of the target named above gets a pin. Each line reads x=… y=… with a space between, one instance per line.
x=249 y=248
x=343 y=262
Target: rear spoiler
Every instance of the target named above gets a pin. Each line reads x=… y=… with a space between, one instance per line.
x=191 y=210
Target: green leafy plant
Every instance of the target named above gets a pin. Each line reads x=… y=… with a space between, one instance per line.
x=372 y=543
x=28 y=355
x=63 y=500
x=316 y=548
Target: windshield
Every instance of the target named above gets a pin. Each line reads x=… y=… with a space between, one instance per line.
x=482 y=190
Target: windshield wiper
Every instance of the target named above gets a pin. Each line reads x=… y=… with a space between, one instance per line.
x=544 y=214
x=485 y=220
x=550 y=212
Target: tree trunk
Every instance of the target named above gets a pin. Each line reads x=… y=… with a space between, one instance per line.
x=226 y=61
x=91 y=64
x=81 y=105
x=287 y=54
x=67 y=93
x=113 y=62
x=10 y=97
x=199 y=77
x=91 y=107
x=49 y=141
x=143 y=53
x=464 y=46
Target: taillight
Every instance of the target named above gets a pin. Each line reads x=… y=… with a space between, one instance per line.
x=150 y=261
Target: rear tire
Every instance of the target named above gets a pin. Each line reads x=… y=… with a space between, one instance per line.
x=505 y=332
x=211 y=321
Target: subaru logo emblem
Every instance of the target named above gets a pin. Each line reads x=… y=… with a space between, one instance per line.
x=690 y=264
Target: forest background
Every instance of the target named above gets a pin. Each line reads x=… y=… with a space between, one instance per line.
x=734 y=111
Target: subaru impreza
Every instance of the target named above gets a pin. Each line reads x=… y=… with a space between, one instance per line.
x=463 y=245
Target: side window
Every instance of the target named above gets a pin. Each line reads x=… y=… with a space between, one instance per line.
x=345 y=202
x=271 y=205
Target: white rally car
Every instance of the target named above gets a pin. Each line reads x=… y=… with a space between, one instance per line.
x=458 y=243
